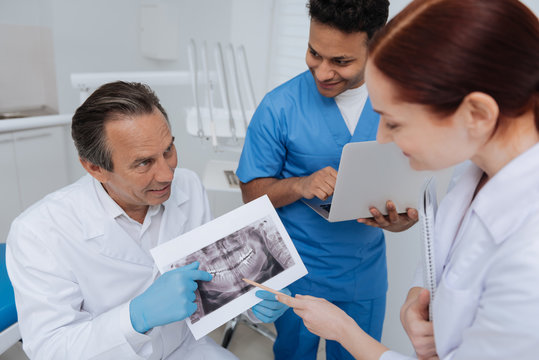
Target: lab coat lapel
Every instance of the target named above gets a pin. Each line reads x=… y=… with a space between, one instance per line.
x=104 y=233
x=501 y=192
x=117 y=244
x=174 y=219
x=450 y=215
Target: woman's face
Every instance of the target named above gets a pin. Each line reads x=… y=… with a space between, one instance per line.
x=430 y=141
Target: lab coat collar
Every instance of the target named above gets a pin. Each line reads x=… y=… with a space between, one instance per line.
x=93 y=223
x=110 y=206
x=513 y=190
x=105 y=232
x=105 y=207
x=99 y=222
x=177 y=196
x=452 y=211
x=173 y=221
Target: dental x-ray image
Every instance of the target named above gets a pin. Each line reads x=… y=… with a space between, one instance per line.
x=247 y=242
x=256 y=252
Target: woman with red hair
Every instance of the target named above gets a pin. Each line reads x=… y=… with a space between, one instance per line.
x=457 y=80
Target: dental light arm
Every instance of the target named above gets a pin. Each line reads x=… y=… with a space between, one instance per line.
x=247 y=77
x=236 y=83
x=209 y=96
x=192 y=51
x=223 y=85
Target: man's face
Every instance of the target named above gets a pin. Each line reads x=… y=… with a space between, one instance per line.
x=336 y=59
x=144 y=159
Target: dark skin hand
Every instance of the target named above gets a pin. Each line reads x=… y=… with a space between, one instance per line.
x=321 y=184
x=393 y=221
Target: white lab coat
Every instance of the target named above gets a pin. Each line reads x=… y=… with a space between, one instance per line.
x=75 y=270
x=486 y=305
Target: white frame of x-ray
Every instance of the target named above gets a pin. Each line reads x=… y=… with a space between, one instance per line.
x=177 y=249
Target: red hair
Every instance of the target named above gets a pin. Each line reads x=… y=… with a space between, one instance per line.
x=438 y=51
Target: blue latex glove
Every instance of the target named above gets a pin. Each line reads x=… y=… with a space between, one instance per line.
x=170 y=298
x=269 y=309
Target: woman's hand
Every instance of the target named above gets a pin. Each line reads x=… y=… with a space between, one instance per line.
x=415 y=320
x=329 y=322
x=319 y=315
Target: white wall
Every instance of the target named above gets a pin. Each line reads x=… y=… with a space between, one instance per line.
x=102 y=36
x=27 y=73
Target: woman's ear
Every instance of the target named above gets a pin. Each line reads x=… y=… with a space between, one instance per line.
x=481 y=113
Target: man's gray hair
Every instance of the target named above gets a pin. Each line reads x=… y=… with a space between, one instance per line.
x=111 y=101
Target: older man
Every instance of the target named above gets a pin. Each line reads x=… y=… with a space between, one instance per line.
x=85 y=283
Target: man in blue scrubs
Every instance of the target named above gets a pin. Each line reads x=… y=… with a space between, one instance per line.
x=292 y=150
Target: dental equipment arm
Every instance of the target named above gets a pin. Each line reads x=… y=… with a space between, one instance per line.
x=236 y=84
x=223 y=85
x=191 y=52
x=247 y=78
x=209 y=96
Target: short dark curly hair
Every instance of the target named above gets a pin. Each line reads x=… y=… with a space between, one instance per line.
x=350 y=16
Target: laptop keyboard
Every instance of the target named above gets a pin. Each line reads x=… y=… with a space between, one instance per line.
x=326 y=207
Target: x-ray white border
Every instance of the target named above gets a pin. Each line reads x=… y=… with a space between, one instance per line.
x=196 y=239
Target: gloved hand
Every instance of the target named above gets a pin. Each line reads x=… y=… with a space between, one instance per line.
x=269 y=309
x=170 y=298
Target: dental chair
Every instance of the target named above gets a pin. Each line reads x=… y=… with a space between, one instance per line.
x=9 y=328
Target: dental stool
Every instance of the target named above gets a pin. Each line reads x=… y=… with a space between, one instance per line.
x=9 y=328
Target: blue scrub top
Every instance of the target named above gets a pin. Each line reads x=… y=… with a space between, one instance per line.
x=296 y=131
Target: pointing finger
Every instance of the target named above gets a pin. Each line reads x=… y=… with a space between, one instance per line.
x=200 y=275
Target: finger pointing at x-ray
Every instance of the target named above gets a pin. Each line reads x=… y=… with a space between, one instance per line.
x=256 y=252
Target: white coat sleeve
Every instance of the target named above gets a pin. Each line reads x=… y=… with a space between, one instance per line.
x=49 y=305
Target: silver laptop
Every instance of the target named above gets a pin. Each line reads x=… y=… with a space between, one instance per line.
x=370 y=174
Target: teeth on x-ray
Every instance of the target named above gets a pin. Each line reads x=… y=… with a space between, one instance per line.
x=255 y=252
x=241 y=259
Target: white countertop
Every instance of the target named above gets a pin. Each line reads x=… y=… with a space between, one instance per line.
x=35 y=122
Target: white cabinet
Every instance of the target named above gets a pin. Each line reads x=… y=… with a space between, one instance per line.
x=33 y=163
x=41 y=162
